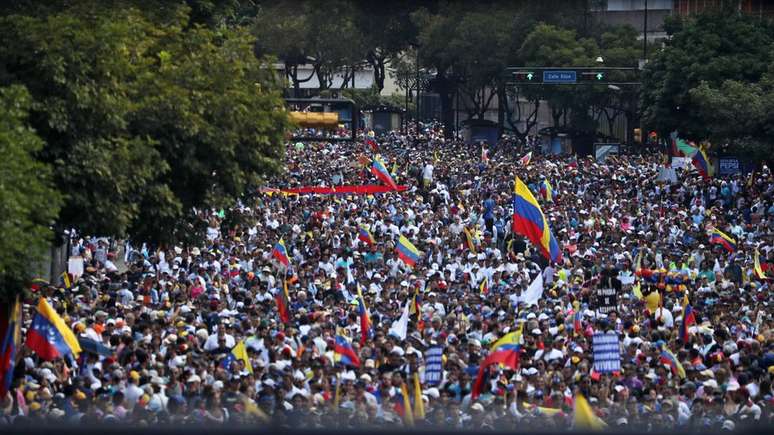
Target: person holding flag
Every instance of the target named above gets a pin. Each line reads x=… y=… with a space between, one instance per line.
x=366 y=331
x=720 y=238
x=48 y=335
x=365 y=236
x=407 y=252
x=10 y=341
x=529 y=221
x=380 y=171
x=238 y=353
x=280 y=253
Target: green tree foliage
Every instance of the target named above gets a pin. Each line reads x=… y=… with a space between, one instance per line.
x=320 y=33
x=710 y=48
x=28 y=201
x=144 y=120
x=740 y=114
x=386 y=31
x=548 y=45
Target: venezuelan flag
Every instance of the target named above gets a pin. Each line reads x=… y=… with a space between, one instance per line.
x=416 y=302
x=403 y=407
x=365 y=236
x=509 y=341
x=721 y=238
x=419 y=404
x=577 y=318
x=365 y=319
x=49 y=336
x=541 y=410
x=407 y=251
x=10 y=331
x=759 y=274
x=483 y=288
x=238 y=353
x=372 y=144
x=529 y=221
x=546 y=191
x=380 y=172
x=281 y=253
x=67 y=282
x=670 y=359
x=469 y=240
x=584 y=417
x=689 y=318
x=702 y=164
x=526 y=159
x=346 y=353
x=505 y=355
x=282 y=298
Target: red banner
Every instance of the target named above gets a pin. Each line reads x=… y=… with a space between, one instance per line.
x=365 y=189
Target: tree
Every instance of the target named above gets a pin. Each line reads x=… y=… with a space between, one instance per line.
x=712 y=48
x=319 y=33
x=619 y=47
x=29 y=203
x=386 y=30
x=144 y=121
x=548 y=45
x=739 y=114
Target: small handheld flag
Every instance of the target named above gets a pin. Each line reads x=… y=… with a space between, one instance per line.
x=723 y=239
x=343 y=349
x=546 y=191
x=670 y=359
x=529 y=221
x=407 y=251
x=281 y=253
x=469 y=241
x=365 y=236
x=584 y=417
x=282 y=298
x=419 y=405
x=10 y=340
x=526 y=159
x=380 y=172
x=759 y=274
x=238 y=353
x=408 y=415
x=702 y=164
x=689 y=318
x=483 y=288
x=365 y=318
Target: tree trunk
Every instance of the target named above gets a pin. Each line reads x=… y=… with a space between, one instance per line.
x=445 y=90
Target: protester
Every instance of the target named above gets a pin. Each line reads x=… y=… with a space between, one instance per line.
x=196 y=335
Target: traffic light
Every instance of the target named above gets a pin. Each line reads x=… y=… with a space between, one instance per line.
x=525 y=76
x=593 y=76
x=637 y=135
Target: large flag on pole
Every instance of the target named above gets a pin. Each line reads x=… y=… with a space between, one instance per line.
x=49 y=336
x=381 y=172
x=10 y=340
x=529 y=221
x=407 y=251
x=584 y=417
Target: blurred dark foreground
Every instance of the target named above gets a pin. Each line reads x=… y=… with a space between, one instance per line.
x=269 y=430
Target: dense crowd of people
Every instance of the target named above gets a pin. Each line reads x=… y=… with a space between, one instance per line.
x=166 y=320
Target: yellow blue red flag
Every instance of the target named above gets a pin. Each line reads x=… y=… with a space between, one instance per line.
x=529 y=221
